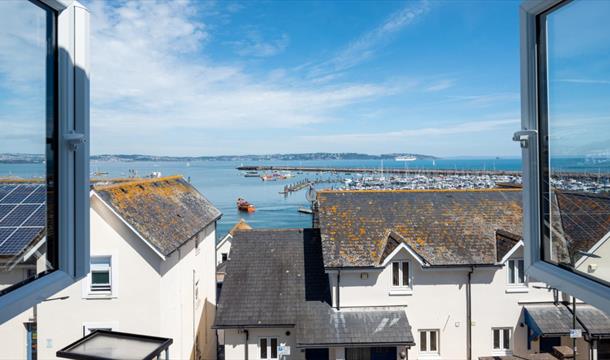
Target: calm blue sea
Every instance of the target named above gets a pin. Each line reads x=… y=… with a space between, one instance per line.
x=222 y=184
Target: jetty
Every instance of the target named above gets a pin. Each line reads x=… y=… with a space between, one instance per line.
x=305 y=183
x=417 y=171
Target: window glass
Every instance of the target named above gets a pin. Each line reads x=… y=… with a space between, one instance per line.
x=405 y=274
x=395 y=274
x=273 y=348
x=28 y=123
x=496 y=339
x=520 y=272
x=263 y=348
x=423 y=343
x=575 y=137
x=511 y=271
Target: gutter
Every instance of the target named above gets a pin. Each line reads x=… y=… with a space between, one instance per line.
x=338 y=296
x=469 y=314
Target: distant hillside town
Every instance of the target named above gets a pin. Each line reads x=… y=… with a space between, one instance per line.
x=16 y=158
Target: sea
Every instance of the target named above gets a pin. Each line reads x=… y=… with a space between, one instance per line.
x=222 y=183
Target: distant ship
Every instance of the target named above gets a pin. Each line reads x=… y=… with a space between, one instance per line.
x=405 y=158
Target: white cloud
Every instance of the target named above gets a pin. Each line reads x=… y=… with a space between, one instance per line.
x=470 y=127
x=585 y=81
x=440 y=85
x=365 y=46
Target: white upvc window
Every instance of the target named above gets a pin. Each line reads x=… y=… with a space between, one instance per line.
x=102 y=280
x=267 y=347
x=90 y=327
x=565 y=131
x=515 y=272
x=49 y=40
x=501 y=341
x=429 y=342
x=401 y=274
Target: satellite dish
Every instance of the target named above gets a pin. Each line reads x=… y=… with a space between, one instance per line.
x=311 y=194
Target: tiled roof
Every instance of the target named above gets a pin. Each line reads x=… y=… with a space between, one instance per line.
x=322 y=325
x=167 y=212
x=444 y=227
x=595 y=321
x=269 y=277
x=549 y=319
x=240 y=226
x=584 y=219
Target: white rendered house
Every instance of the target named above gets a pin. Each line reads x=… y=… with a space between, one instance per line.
x=436 y=263
x=152 y=270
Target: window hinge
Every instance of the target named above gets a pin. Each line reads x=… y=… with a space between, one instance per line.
x=523 y=137
x=74 y=140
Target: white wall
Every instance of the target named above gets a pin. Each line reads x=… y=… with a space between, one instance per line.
x=235 y=343
x=438 y=301
x=154 y=297
x=13 y=332
x=224 y=246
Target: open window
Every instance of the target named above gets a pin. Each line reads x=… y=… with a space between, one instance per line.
x=566 y=145
x=44 y=113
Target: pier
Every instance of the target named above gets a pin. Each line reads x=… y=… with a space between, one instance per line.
x=413 y=171
x=305 y=183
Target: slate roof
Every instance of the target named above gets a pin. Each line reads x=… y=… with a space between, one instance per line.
x=167 y=211
x=269 y=277
x=276 y=278
x=583 y=220
x=321 y=325
x=549 y=319
x=505 y=241
x=454 y=227
x=595 y=321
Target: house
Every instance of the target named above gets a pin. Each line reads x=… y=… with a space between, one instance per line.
x=446 y=265
x=22 y=255
x=276 y=302
x=223 y=248
x=152 y=270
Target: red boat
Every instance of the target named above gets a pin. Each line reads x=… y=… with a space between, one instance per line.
x=243 y=205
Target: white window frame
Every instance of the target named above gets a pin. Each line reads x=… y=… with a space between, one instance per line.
x=268 y=338
x=582 y=287
x=401 y=289
x=89 y=327
x=517 y=273
x=87 y=290
x=72 y=157
x=501 y=350
x=428 y=352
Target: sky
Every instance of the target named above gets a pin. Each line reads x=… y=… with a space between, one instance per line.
x=210 y=78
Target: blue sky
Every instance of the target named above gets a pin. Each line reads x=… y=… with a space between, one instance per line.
x=209 y=78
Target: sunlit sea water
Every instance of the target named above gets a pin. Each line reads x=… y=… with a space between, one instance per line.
x=222 y=184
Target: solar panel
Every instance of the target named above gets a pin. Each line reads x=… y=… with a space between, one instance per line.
x=22 y=216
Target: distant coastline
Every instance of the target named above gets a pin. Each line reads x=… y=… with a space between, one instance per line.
x=39 y=158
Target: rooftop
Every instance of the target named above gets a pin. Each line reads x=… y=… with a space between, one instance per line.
x=166 y=211
x=447 y=227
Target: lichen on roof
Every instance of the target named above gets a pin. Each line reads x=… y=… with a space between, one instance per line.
x=444 y=227
x=240 y=226
x=167 y=211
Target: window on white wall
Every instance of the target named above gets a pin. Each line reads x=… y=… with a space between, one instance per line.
x=429 y=342
x=101 y=275
x=401 y=274
x=516 y=272
x=102 y=279
x=268 y=348
x=501 y=339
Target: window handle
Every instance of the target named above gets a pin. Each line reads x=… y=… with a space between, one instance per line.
x=523 y=137
x=75 y=139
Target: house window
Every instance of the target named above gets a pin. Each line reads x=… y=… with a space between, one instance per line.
x=428 y=342
x=224 y=257
x=267 y=348
x=101 y=276
x=565 y=136
x=47 y=87
x=516 y=272
x=501 y=339
x=401 y=274
x=90 y=327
